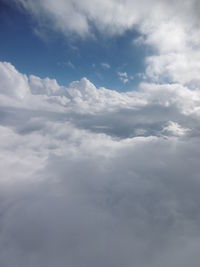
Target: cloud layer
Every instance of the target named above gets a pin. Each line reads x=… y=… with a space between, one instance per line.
x=94 y=177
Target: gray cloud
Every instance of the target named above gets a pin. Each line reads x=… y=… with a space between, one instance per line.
x=93 y=177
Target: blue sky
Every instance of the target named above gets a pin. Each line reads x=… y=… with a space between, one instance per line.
x=99 y=58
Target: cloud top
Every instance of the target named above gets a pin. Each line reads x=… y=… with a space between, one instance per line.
x=91 y=176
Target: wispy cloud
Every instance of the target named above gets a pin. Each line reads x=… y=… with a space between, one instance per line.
x=105 y=65
x=123 y=76
x=70 y=64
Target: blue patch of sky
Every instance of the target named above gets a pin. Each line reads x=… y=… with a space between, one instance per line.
x=69 y=59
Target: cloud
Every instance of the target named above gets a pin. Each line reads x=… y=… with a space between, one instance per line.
x=91 y=176
x=70 y=64
x=123 y=76
x=175 y=129
x=111 y=16
x=95 y=177
x=105 y=65
x=12 y=82
x=170 y=30
x=177 y=67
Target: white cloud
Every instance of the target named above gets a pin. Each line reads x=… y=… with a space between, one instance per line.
x=176 y=67
x=123 y=76
x=105 y=65
x=13 y=83
x=111 y=16
x=43 y=87
x=175 y=129
x=96 y=177
x=169 y=27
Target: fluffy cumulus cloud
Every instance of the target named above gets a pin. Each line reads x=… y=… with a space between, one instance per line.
x=94 y=177
x=13 y=83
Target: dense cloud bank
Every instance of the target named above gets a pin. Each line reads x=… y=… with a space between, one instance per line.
x=94 y=177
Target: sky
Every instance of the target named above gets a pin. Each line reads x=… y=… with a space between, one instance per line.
x=48 y=53
x=99 y=133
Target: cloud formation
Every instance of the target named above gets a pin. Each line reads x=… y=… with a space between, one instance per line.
x=94 y=177
x=105 y=65
x=123 y=76
x=169 y=27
